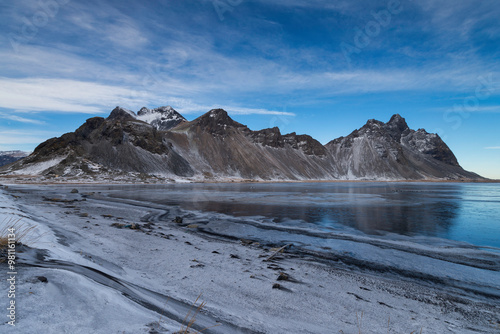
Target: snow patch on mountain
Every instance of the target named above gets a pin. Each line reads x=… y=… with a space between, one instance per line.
x=39 y=167
x=162 y=118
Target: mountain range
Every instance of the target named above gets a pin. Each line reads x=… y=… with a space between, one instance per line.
x=7 y=157
x=162 y=143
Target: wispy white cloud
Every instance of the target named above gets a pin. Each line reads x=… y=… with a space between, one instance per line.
x=340 y=5
x=58 y=95
x=111 y=26
x=124 y=33
x=253 y=111
x=28 y=137
x=71 y=96
x=492 y=148
x=20 y=119
x=466 y=108
x=63 y=62
x=486 y=109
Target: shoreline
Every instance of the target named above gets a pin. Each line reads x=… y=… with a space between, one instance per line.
x=18 y=179
x=178 y=262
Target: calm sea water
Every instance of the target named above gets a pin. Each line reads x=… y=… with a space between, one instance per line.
x=464 y=212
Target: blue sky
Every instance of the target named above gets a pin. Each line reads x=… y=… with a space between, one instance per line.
x=317 y=67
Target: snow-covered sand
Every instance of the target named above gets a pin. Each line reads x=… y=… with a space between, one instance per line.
x=104 y=279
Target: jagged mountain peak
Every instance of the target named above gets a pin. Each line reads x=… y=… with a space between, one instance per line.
x=120 y=113
x=165 y=109
x=216 y=122
x=143 y=110
x=162 y=110
x=397 y=122
x=397 y=118
x=394 y=128
x=216 y=118
x=218 y=113
x=162 y=118
x=374 y=123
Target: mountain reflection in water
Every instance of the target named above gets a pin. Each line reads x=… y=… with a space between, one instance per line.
x=465 y=212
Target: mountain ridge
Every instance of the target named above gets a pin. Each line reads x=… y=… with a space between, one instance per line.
x=161 y=142
x=8 y=157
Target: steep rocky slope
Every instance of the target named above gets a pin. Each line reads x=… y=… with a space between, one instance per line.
x=216 y=145
x=392 y=150
x=120 y=143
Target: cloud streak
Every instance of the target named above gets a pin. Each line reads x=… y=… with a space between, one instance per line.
x=71 y=96
x=57 y=95
x=17 y=138
x=20 y=119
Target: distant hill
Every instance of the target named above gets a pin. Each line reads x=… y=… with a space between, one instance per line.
x=7 y=157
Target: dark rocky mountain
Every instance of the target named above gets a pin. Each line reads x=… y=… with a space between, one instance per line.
x=161 y=142
x=392 y=150
x=7 y=157
x=216 y=145
x=118 y=144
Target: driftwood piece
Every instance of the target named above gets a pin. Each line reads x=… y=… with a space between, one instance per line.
x=278 y=251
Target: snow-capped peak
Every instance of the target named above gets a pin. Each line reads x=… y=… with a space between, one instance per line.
x=130 y=112
x=165 y=109
x=143 y=111
x=163 y=118
x=122 y=113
